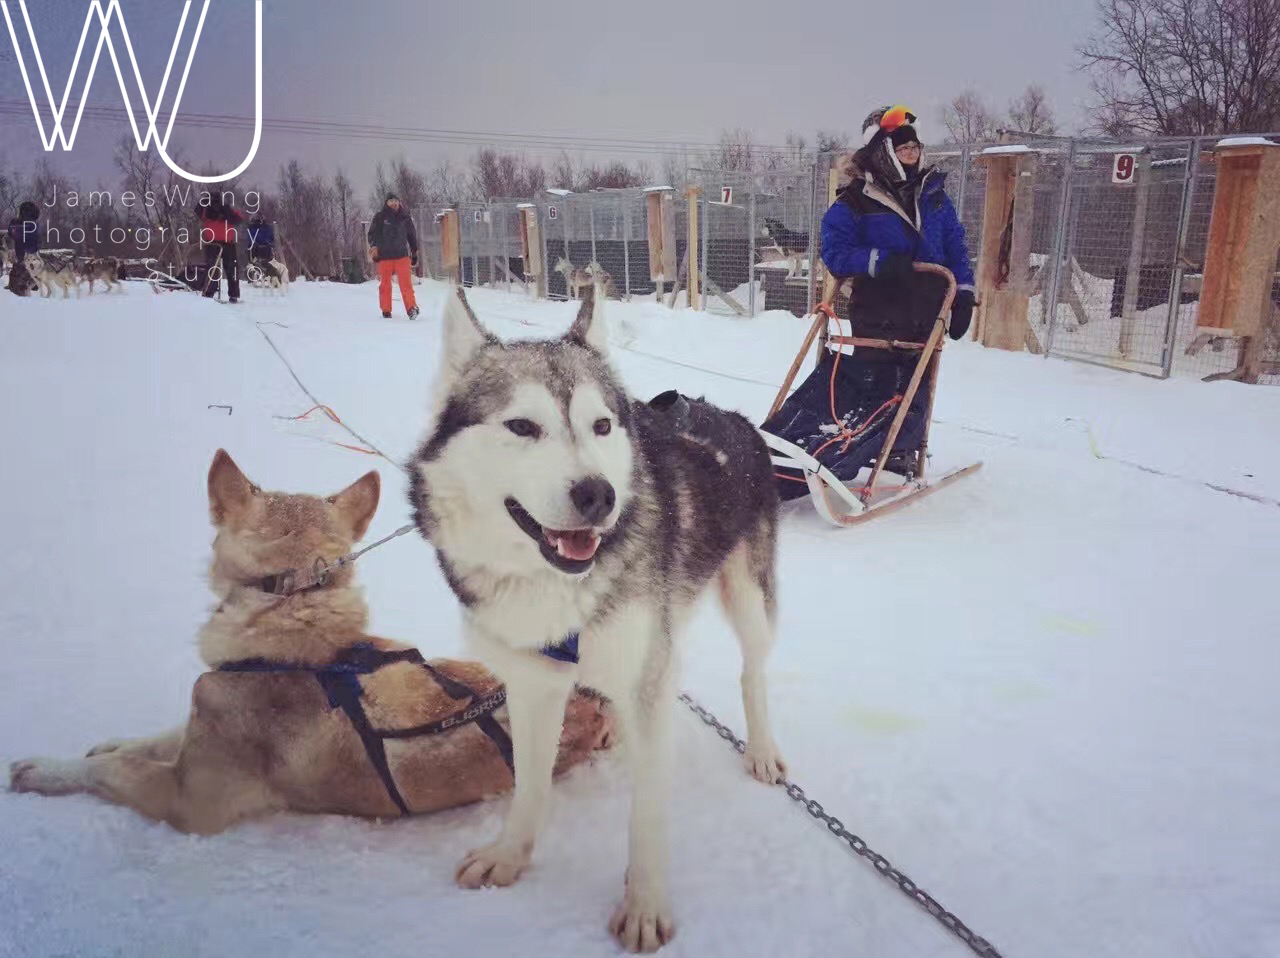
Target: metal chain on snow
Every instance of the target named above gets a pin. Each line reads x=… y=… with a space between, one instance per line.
x=979 y=945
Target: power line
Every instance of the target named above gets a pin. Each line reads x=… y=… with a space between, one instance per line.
x=366 y=131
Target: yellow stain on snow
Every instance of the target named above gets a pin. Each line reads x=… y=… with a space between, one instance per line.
x=1069 y=626
x=880 y=721
x=1013 y=693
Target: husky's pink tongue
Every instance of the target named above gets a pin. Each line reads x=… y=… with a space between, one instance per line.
x=580 y=544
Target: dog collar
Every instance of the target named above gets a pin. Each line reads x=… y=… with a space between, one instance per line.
x=565 y=651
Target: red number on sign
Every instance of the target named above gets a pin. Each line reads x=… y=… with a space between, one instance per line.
x=1124 y=167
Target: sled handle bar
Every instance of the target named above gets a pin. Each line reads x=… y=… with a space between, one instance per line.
x=825 y=312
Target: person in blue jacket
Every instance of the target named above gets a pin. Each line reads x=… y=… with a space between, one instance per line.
x=262 y=240
x=895 y=212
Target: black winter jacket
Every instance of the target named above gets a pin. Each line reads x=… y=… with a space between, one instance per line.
x=393 y=233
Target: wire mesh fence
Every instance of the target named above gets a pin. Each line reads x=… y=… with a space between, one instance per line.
x=758 y=239
x=1115 y=259
x=1116 y=255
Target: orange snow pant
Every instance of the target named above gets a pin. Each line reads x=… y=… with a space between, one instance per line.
x=403 y=274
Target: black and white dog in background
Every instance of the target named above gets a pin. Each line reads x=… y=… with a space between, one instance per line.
x=792 y=244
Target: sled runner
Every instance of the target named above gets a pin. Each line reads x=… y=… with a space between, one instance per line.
x=868 y=408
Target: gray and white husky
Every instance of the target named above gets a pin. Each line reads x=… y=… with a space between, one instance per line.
x=558 y=506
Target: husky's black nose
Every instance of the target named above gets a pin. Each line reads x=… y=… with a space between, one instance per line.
x=593 y=497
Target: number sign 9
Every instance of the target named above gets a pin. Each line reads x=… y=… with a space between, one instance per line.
x=1123 y=168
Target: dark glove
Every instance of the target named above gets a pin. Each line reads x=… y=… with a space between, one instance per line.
x=894 y=267
x=413 y=259
x=961 y=313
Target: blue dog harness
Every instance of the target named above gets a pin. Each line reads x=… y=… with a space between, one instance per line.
x=566 y=651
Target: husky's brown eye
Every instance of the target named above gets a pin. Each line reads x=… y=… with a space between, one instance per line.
x=602 y=427
x=525 y=428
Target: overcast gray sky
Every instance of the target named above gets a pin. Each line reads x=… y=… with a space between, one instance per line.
x=659 y=70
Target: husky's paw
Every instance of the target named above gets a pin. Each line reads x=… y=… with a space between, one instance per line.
x=765 y=763
x=641 y=925
x=494 y=865
x=47 y=776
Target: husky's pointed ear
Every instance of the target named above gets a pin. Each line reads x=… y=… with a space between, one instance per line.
x=230 y=491
x=356 y=504
x=463 y=334
x=588 y=328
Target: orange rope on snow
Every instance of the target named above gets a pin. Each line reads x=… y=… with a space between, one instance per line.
x=367 y=452
x=328 y=411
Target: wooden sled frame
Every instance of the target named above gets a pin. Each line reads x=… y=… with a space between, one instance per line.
x=835 y=501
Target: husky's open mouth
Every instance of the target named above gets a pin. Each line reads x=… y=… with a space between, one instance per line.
x=569 y=550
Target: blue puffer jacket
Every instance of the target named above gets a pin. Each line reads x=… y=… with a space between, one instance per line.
x=866 y=223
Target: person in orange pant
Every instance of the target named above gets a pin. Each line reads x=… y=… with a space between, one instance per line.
x=393 y=245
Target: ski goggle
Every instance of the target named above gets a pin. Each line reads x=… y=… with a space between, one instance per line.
x=895 y=117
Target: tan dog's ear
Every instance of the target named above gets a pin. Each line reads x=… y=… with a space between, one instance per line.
x=229 y=489
x=357 y=503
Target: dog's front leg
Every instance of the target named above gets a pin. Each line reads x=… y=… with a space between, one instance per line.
x=643 y=921
x=536 y=696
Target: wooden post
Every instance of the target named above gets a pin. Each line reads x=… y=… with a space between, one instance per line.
x=451 y=246
x=1002 y=318
x=693 y=195
x=531 y=250
x=1244 y=234
x=662 y=238
x=1138 y=235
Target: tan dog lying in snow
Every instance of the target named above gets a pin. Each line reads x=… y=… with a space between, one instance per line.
x=305 y=711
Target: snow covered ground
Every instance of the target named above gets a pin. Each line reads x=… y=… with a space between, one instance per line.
x=1048 y=694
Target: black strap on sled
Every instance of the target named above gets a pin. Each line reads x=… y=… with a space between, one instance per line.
x=340 y=680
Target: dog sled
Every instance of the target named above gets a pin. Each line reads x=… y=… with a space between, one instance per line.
x=868 y=408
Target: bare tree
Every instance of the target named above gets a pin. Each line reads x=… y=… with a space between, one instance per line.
x=1031 y=113
x=349 y=215
x=448 y=185
x=403 y=180
x=308 y=216
x=157 y=191
x=563 y=174
x=831 y=141
x=674 y=171
x=968 y=119
x=10 y=193
x=613 y=176
x=1186 y=67
x=736 y=151
x=496 y=174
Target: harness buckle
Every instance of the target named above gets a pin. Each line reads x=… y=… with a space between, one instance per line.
x=283 y=583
